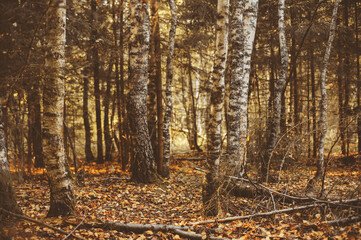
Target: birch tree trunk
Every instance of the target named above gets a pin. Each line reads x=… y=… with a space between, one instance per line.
x=280 y=85
x=168 y=90
x=214 y=137
x=7 y=196
x=143 y=166
x=62 y=200
x=243 y=27
x=323 y=101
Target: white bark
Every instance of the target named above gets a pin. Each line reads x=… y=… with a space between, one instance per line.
x=7 y=196
x=323 y=101
x=243 y=27
x=168 y=91
x=143 y=165
x=280 y=85
x=62 y=200
x=214 y=138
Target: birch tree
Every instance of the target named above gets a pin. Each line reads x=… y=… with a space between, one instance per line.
x=214 y=137
x=7 y=196
x=143 y=166
x=168 y=90
x=62 y=200
x=280 y=85
x=243 y=29
x=323 y=101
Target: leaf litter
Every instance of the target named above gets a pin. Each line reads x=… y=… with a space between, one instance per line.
x=107 y=196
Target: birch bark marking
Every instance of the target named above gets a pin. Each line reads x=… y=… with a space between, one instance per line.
x=62 y=201
x=214 y=138
x=244 y=23
x=143 y=166
x=280 y=85
x=323 y=101
x=7 y=196
x=168 y=90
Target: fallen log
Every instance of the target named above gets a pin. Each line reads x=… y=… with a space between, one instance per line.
x=185 y=232
x=286 y=210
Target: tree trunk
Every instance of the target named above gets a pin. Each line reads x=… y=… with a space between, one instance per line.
x=341 y=98
x=280 y=85
x=7 y=196
x=193 y=135
x=95 y=62
x=214 y=134
x=62 y=200
x=358 y=81
x=168 y=90
x=314 y=107
x=244 y=23
x=107 y=136
x=323 y=101
x=143 y=166
x=88 y=151
x=156 y=77
x=37 y=130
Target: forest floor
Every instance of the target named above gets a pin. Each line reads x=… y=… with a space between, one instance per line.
x=107 y=195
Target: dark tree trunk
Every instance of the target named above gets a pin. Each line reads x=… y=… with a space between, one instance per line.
x=88 y=151
x=193 y=111
x=313 y=106
x=341 y=97
x=358 y=80
x=107 y=136
x=95 y=63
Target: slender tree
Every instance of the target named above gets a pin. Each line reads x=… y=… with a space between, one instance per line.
x=280 y=85
x=96 y=76
x=323 y=101
x=214 y=137
x=143 y=165
x=168 y=90
x=155 y=76
x=358 y=80
x=62 y=200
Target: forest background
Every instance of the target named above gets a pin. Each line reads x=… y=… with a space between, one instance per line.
x=248 y=90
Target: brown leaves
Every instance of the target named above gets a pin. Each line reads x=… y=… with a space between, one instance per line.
x=108 y=196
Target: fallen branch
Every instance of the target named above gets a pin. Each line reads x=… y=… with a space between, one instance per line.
x=188 y=159
x=75 y=228
x=286 y=210
x=38 y=222
x=343 y=221
x=264 y=187
x=141 y=228
x=114 y=178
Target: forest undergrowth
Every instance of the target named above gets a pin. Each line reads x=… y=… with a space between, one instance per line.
x=105 y=194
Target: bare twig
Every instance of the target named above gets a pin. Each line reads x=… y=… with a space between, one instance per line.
x=75 y=228
x=38 y=222
x=286 y=210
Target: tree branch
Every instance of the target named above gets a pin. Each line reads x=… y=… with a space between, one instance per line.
x=39 y=223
